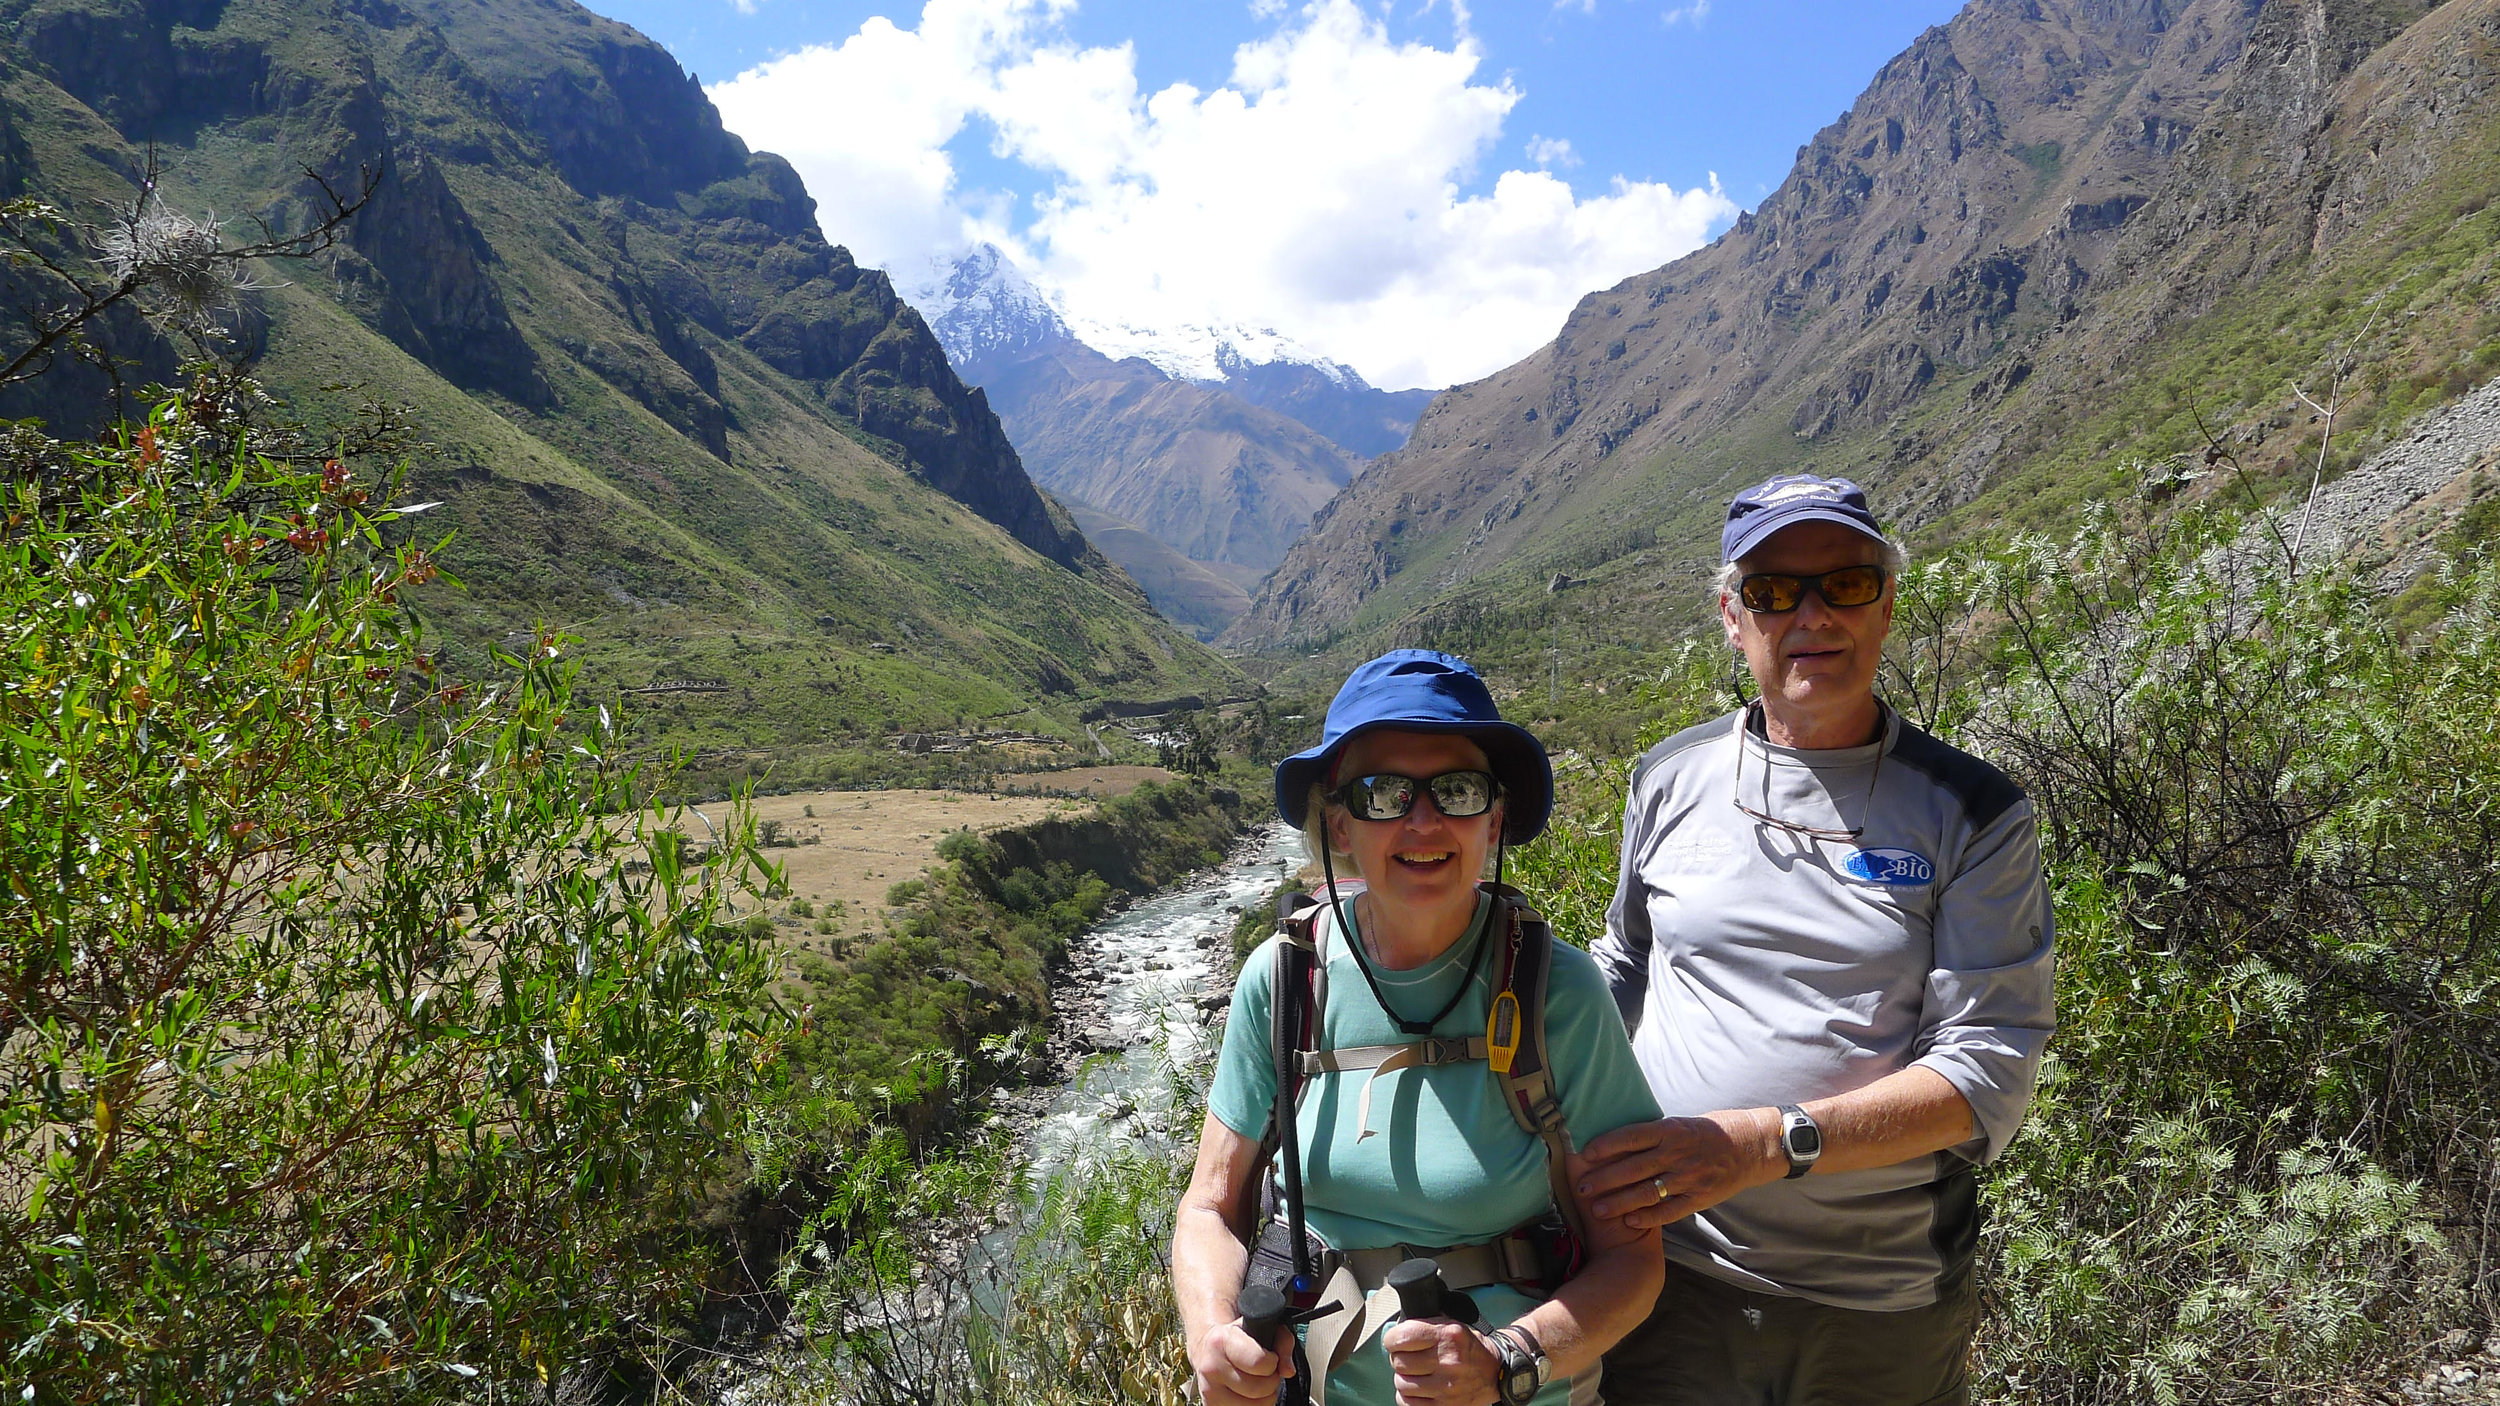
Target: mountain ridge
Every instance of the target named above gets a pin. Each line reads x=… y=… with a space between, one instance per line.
x=671 y=417
x=2022 y=201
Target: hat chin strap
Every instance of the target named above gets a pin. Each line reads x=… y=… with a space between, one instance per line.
x=1354 y=940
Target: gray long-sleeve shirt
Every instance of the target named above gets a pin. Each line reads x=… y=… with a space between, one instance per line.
x=1758 y=966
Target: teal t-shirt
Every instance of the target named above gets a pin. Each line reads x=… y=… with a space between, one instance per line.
x=1445 y=1164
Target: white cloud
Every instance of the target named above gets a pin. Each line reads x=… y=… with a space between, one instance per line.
x=1552 y=151
x=1695 y=12
x=1319 y=192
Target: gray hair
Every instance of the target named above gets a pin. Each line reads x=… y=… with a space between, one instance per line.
x=1895 y=560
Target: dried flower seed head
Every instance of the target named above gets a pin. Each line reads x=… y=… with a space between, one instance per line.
x=179 y=257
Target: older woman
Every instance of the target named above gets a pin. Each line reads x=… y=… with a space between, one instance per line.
x=1407 y=1133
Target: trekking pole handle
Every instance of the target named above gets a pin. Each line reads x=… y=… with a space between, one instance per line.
x=1422 y=1293
x=1264 y=1313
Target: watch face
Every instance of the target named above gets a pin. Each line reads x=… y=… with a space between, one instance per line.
x=1805 y=1139
x=1520 y=1384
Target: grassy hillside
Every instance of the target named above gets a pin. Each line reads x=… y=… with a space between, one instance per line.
x=664 y=413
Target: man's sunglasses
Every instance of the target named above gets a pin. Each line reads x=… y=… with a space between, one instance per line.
x=1769 y=593
x=1456 y=794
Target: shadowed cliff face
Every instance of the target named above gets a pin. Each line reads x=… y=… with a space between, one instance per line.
x=2015 y=200
x=660 y=387
x=615 y=117
x=624 y=123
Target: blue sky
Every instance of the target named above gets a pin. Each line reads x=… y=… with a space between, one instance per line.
x=1055 y=129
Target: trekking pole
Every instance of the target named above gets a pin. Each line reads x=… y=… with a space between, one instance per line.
x=1265 y=1314
x=1288 y=1080
x=1423 y=1294
x=1285 y=1036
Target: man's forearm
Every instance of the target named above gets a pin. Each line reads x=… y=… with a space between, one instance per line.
x=1653 y=1174
x=1906 y=1114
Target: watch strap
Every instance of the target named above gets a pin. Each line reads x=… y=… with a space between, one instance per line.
x=1520 y=1355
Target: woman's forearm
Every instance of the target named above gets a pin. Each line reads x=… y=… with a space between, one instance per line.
x=1607 y=1299
x=1208 y=1262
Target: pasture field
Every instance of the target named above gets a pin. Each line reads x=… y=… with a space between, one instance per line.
x=844 y=851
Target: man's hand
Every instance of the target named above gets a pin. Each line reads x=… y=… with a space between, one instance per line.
x=1234 y=1369
x=1441 y=1363
x=1652 y=1174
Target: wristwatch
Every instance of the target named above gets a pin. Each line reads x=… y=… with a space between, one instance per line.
x=1801 y=1138
x=1525 y=1368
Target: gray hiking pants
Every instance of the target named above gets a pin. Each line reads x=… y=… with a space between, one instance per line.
x=1709 y=1343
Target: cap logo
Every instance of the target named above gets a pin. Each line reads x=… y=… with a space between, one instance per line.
x=1797 y=492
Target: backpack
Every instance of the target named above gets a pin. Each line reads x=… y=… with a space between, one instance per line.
x=1537 y=1257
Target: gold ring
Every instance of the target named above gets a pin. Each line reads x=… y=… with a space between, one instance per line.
x=1659 y=1185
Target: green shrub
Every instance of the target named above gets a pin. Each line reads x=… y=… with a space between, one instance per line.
x=2272 y=820
x=342 y=1054
x=956 y=846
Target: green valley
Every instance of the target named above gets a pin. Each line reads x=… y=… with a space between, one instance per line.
x=666 y=416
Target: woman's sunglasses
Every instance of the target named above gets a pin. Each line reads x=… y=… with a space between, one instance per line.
x=1456 y=794
x=1768 y=593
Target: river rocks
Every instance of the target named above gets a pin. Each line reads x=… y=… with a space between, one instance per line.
x=2469 y=1379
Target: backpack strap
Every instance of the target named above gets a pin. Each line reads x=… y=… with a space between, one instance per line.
x=1516 y=1050
x=1422 y=1054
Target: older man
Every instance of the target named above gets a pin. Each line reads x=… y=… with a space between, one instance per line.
x=1831 y=939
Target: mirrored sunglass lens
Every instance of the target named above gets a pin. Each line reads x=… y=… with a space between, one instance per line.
x=1857 y=585
x=1380 y=797
x=1770 y=593
x=1460 y=794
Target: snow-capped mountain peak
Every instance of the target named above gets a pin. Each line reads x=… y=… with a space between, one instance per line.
x=982 y=306
x=1208 y=353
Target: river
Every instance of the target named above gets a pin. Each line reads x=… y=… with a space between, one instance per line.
x=1140 y=998
x=1147 y=983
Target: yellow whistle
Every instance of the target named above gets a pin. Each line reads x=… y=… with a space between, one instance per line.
x=1501 y=1033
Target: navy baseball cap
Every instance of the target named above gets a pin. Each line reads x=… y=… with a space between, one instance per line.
x=1788 y=500
x=1424 y=690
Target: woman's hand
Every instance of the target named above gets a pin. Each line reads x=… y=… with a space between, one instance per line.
x=1441 y=1363
x=1234 y=1369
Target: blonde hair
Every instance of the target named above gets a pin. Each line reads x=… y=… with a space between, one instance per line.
x=1315 y=809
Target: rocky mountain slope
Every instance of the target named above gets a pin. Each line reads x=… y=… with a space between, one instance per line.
x=2048 y=241
x=668 y=415
x=1204 y=452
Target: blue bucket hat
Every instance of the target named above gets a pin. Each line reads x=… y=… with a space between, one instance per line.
x=1788 y=500
x=1423 y=690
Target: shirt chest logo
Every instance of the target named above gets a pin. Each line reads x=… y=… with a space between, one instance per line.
x=1893 y=868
